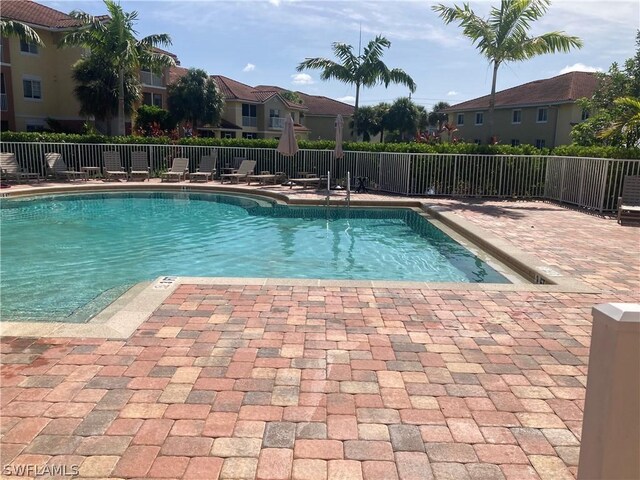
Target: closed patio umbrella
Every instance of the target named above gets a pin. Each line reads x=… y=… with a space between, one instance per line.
x=288 y=145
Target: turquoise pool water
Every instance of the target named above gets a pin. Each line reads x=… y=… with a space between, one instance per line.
x=66 y=257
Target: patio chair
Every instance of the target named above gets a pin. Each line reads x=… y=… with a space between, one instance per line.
x=308 y=180
x=205 y=171
x=57 y=168
x=112 y=166
x=178 y=172
x=267 y=177
x=629 y=201
x=139 y=166
x=11 y=170
x=246 y=168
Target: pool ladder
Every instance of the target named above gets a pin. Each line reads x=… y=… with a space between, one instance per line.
x=348 y=198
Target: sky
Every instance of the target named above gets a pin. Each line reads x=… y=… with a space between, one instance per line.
x=260 y=42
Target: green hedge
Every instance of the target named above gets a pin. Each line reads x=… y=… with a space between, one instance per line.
x=459 y=148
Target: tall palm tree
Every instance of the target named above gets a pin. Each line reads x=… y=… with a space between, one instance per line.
x=195 y=97
x=504 y=35
x=362 y=70
x=115 y=39
x=13 y=28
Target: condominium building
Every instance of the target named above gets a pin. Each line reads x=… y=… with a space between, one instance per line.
x=540 y=113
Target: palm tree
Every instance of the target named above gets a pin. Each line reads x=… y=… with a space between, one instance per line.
x=195 y=97
x=627 y=126
x=436 y=116
x=503 y=37
x=362 y=70
x=13 y=28
x=115 y=39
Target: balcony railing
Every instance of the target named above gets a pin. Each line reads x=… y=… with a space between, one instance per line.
x=148 y=78
x=4 y=103
x=276 y=122
x=249 y=121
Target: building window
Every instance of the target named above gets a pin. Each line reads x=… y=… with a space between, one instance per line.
x=152 y=99
x=460 y=119
x=516 y=117
x=26 y=47
x=35 y=125
x=147 y=77
x=515 y=142
x=249 y=115
x=249 y=135
x=32 y=88
x=585 y=115
x=540 y=143
x=227 y=134
x=479 y=118
x=4 y=102
x=477 y=141
x=542 y=115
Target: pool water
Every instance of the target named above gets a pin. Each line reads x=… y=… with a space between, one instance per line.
x=66 y=257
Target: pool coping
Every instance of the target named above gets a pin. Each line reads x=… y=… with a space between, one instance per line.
x=123 y=316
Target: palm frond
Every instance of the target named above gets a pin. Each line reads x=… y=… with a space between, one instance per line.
x=20 y=30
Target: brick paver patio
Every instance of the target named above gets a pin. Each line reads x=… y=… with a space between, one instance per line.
x=277 y=382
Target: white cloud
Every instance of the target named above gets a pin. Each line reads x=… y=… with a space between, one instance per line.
x=452 y=93
x=302 y=79
x=579 y=67
x=348 y=99
x=250 y=67
x=275 y=2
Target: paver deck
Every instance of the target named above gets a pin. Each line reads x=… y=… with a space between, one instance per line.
x=277 y=382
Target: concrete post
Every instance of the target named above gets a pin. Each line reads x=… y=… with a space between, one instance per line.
x=610 y=446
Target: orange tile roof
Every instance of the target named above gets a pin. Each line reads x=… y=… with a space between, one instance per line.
x=317 y=104
x=232 y=89
x=33 y=13
x=561 y=89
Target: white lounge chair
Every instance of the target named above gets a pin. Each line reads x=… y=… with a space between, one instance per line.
x=57 y=168
x=112 y=166
x=245 y=169
x=205 y=171
x=11 y=170
x=178 y=172
x=139 y=166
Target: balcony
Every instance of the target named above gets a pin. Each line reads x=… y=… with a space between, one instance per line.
x=4 y=103
x=249 y=121
x=148 y=78
x=276 y=122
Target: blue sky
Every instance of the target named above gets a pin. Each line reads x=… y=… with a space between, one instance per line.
x=260 y=42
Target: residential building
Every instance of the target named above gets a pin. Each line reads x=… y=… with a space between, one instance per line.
x=540 y=113
x=36 y=82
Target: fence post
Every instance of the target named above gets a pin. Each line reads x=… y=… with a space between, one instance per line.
x=611 y=425
x=603 y=184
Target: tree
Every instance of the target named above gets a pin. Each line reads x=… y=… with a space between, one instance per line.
x=404 y=116
x=605 y=111
x=627 y=124
x=362 y=70
x=195 y=97
x=152 y=121
x=97 y=88
x=437 y=116
x=370 y=121
x=114 y=40
x=504 y=36
x=13 y=28
x=291 y=96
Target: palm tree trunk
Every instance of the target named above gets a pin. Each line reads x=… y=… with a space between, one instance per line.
x=355 y=111
x=492 y=100
x=121 y=129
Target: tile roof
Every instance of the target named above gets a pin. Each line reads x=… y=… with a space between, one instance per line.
x=33 y=13
x=234 y=90
x=561 y=89
x=317 y=104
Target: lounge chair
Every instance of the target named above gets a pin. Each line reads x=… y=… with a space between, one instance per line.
x=246 y=168
x=266 y=177
x=205 y=171
x=178 y=172
x=112 y=166
x=11 y=170
x=57 y=168
x=629 y=202
x=308 y=180
x=139 y=166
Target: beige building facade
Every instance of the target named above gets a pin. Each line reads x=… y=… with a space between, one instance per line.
x=540 y=113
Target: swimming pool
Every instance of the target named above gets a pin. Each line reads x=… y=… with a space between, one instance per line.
x=66 y=257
